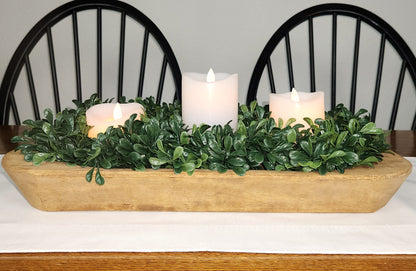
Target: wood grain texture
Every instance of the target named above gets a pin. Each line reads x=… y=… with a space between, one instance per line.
x=362 y=189
x=203 y=261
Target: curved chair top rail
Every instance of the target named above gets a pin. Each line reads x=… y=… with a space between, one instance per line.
x=387 y=32
x=20 y=57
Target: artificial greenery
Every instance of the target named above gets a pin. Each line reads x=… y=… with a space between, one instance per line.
x=161 y=140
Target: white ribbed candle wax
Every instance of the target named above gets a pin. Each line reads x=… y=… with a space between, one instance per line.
x=211 y=99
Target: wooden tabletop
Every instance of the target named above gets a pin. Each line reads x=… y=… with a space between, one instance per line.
x=403 y=142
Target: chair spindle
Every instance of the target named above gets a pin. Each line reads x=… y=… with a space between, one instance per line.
x=334 y=61
x=99 y=53
x=397 y=96
x=32 y=87
x=76 y=55
x=161 y=79
x=53 y=70
x=311 y=56
x=378 y=78
x=14 y=109
x=271 y=77
x=143 y=62
x=121 y=54
x=355 y=65
x=289 y=62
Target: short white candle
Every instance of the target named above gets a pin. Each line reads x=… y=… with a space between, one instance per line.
x=297 y=105
x=101 y=116
x=210 y=99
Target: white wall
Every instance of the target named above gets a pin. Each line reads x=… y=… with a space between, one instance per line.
x=227 y=35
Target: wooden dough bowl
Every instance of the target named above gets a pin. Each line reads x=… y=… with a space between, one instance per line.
x=58 y=187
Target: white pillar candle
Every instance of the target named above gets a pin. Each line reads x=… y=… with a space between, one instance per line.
x=210 y=99
x=101 y=116
x=297 y=105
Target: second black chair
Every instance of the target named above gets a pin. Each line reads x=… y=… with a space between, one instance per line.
x=363 y=18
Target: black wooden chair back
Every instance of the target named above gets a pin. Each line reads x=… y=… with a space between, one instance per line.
x=125 y=15
x=334 y=13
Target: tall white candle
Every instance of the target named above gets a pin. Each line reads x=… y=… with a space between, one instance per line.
x=297 y=105
x=101 y=116
x=210 y=99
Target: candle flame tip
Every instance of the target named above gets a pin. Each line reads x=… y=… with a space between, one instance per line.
x=117 y=114
x=294 y=95
x=210 y=76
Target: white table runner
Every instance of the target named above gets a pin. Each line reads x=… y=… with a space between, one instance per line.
x=391 y=230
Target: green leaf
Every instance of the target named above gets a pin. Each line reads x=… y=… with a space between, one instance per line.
x=40 y=157
x=98 y=178
x=17 y=139
x=48 y=115
x=244 y=108
x=134 y=156
x=369 y=161
x=352 y=126
x=253 y=105
x=89 y=174
x=178 y=153
x=336 y=154
x=184 y=139
x=218 y=167
x=236 y=162
x=307 y=147
x=241 y=171
x=159 y=144
x=290 y=121
x=309 y=121
x=258 y=157
x=297 y=157
x=279 y=167
x=340 y=138
x=105 y=163
x=370 y=128
x=280 y=123
x=228 y=143
x=93 y=154
x=125 y=144
x=351 y=158
x=156 y=161
x=188 y=167
x=46 y=127
x=291 y=136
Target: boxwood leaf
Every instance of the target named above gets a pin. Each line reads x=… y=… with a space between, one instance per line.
x=98 y=178
x=40 y=157
x=188 y=167
x=291 y=136
x=307 y=147
x=156 y=161
x=351 y=158
x=370 y=128
x=236 y=161
x=228 y=143
x=89 y=174
x=279 y=167
x=178 y=153
x=239 y=170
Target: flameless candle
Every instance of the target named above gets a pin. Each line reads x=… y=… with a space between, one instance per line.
x=101 y=116
x=297 y=105
x=210 y=99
